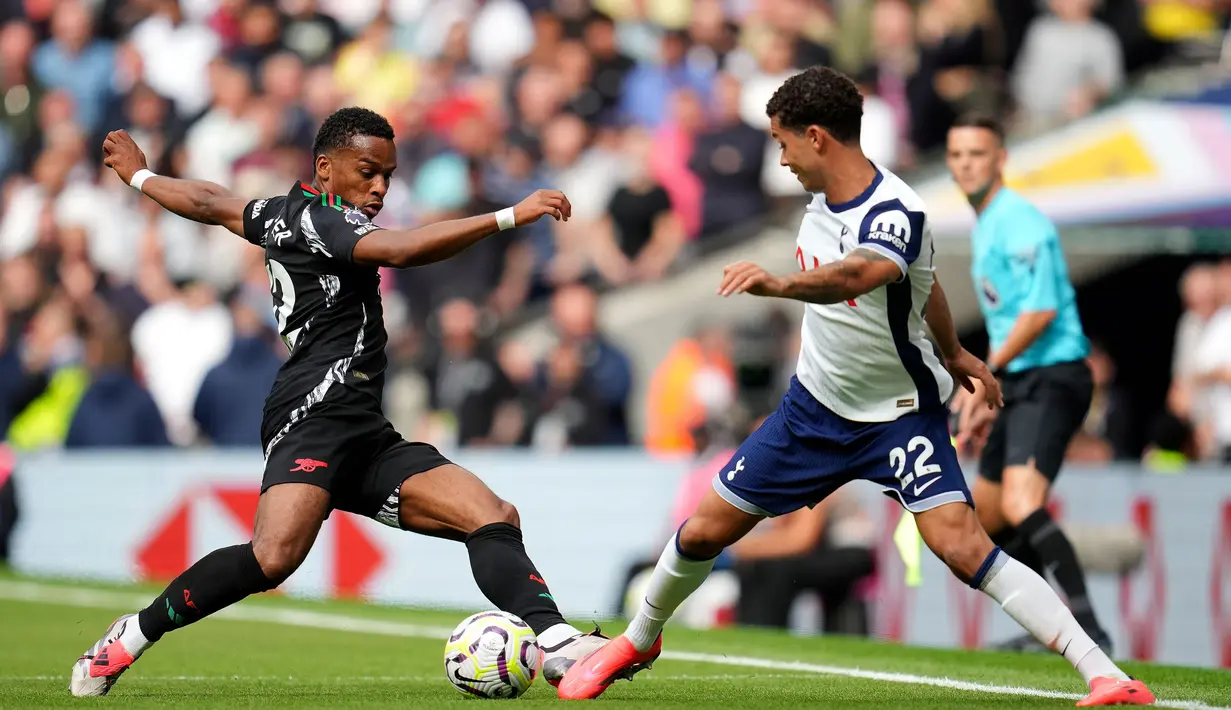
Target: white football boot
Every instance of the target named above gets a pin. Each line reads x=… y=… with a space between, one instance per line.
x=559 y=658
x=99 y=668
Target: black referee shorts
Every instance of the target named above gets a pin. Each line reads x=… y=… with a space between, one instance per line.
x=1043 y=408
x=353 y=453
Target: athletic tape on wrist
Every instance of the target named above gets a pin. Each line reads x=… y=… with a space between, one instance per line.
x=505 y=219
x=140 y=177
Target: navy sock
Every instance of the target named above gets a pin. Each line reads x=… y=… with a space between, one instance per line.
x=989 y=563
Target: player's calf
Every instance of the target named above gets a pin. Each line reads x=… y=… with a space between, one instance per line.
x=953 y=532
x=508 y=577
x=704 y=538
x=452 y=503
x=288 y=517
x=216 y=581
x=686 y=562
x=715 y=526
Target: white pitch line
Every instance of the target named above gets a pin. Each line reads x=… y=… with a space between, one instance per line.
x=96 y=598
x=263 y=678
x=379 y=678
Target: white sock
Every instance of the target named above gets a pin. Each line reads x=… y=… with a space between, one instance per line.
x=675 y=578
x=1031 y=601
x=557 y=635
x=132 y=639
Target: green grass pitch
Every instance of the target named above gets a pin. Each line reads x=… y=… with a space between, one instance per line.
x=274 y=652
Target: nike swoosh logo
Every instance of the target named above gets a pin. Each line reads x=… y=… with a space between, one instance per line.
x=920 y=489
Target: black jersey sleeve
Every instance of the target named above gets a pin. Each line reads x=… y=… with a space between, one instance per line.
x=333 y=230
x=256 y=213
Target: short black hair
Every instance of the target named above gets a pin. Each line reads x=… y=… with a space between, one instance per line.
x=819 y=96
x=346 y=124
x=986 y=121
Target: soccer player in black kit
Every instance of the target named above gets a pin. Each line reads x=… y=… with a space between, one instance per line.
x=326 y=440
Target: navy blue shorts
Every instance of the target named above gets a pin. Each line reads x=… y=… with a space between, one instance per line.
x=804 y=452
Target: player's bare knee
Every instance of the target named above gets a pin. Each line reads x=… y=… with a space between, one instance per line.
x=954 y=533
x=1026 y=484
x=278 y=557
x=965 y=556
x=962 y=551
x=703 y=538
x=508 y=514
x=1015 y=511
x=494 y=511
x=1018 y=502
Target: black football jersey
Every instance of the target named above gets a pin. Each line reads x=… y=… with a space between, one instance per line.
x=328 y=308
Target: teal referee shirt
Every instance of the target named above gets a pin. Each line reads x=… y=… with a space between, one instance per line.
x=1018 y=267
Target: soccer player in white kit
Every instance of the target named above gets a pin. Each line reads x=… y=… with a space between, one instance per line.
x=867 y=402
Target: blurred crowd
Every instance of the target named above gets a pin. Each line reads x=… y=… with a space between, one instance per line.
x=123 y=325
x=1197 y=423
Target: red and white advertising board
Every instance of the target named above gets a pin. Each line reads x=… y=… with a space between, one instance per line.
x=588 y=516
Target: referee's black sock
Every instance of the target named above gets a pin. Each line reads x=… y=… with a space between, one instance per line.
x=215 y=582
x=1016 y=545
x=1057 y=554
x=508 y=578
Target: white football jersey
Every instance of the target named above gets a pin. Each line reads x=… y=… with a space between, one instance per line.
x=867 y=360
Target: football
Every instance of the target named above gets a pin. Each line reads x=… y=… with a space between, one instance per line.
x=492 y=654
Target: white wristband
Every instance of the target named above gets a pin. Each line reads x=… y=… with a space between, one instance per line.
x=140 y=177
x=505 y=220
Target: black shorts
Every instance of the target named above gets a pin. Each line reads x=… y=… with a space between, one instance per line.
x=356 y=455
x=1043 y=408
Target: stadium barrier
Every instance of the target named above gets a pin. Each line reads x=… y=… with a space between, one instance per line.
x=589 y=516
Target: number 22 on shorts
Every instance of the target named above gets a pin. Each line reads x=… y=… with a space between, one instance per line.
x=897 y=460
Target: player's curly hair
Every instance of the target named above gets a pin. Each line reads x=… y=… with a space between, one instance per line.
x=345 y=124
x=819 y=96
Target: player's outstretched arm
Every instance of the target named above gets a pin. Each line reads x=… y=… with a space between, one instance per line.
x=402 y=248
x=860 y=272
x=198 y=200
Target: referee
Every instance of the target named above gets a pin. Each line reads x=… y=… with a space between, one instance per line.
x=1038 y=350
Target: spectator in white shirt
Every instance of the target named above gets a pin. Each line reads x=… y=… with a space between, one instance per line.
x=225 y=133
x=176 y=343
x=1199 y=291
x=1213 y=362
x=878 y=132
x=1069 y=63
x=175 y=54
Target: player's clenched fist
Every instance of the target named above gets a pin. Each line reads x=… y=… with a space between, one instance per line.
x=746 y=277
x=543 y=202
x=121 y=154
